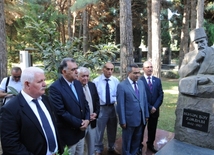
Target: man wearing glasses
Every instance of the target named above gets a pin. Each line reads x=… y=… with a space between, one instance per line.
x=106 y=85
x=71 y=107
x=12 y=81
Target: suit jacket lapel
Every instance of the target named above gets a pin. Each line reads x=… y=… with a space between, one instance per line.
x=68 y=90
x=131 y=88
x=29 y=113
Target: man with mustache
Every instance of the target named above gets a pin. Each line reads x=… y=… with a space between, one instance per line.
x=71 y=107
x=27 y=121
x=197 y=65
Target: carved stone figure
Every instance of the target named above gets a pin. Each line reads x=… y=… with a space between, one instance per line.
x=197 y=69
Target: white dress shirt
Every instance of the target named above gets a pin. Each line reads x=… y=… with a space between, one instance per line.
x=34 y=108
x=100 y=83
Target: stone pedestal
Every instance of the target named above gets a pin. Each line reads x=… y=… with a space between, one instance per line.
x=195 y=121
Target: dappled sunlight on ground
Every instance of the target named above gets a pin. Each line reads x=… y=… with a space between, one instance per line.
x=173 y=90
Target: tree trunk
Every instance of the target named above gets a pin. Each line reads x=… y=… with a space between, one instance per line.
x=193 y=15
x=63 y=31
x=85 y=30
x=193 y=18
x=156 y=46
x=126 y=37
x=200 y=14
x=73 y=24
x=184 y=32
x=3 y=49
x=149 y=53
x=69 y=20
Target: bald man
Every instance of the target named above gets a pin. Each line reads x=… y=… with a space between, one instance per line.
x=106 y=85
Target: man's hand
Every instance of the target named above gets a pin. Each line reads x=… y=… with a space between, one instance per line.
x=123 y=126
x=93 y=116
x=153 y=110
x=84 y=125
x=200 y=56
x=8 y=95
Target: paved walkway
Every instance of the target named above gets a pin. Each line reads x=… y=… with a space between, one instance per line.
x=162 y=137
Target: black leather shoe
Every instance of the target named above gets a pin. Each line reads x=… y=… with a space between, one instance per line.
x=113 y=152
x=139 y=152
x=151 y=148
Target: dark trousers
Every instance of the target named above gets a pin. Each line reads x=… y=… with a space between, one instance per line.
x=151 y=126
x=131 y=140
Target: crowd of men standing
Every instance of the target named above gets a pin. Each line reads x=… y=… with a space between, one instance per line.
x=77 y=111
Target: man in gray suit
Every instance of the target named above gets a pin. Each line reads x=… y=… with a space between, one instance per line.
x=132 y=109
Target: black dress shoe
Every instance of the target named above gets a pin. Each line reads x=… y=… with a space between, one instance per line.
x=113 y=152
x=139 y=152
x=151 y=148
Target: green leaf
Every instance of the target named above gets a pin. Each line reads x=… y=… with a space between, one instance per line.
x=13 y=90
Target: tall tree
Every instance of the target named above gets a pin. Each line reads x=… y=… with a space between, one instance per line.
x=184 y=46
x=200 y=14
x=126 y=37
x=149 y=52
x=193 y=15
x=85 y=30
x=69 y=20
x=3 y=50
x=156 y=41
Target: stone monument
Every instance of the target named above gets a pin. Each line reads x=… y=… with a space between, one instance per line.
x=195 y=107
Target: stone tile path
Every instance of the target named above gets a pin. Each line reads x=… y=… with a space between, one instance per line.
x=162 y=137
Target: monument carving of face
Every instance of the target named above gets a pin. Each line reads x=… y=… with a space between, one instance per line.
x=200 y=44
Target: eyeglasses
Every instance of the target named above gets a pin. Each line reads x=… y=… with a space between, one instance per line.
x=73 y=69
x=109 y=69
x=16 y=77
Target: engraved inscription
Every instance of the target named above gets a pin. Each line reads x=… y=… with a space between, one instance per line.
x=195 y=120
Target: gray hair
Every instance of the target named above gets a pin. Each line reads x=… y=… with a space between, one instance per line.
x=129 y=68
x=63 y=64
x=29 y=73
x=83 y=70
x=146 y=62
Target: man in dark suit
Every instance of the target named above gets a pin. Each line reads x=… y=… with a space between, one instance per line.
x=92 y=97
x=71 y=107
x=154 y=93
x=23 y=130
x=132 y=109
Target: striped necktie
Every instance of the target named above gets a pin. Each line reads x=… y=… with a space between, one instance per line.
x=150 y=83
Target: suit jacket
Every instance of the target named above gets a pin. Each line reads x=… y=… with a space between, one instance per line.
x=69 y=111
x=95 y=101
x=155 y=98
x=21 y=132
x=131 y=110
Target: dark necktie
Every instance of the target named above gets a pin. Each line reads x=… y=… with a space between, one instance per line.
x=150 y=83
x=135 y=89
x=46 y=126
x=108 y=100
